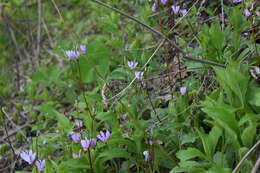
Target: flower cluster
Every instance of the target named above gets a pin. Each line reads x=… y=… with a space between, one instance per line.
x=132 y=65
x=29 y=156
x=89 y=143
x=154 y=6
x=176 y=10
x=75 y=54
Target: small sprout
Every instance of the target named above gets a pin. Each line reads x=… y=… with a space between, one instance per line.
x=146 y=155
x=132 y=64
x=139 y=74
x=40 y=164
x=28 y=156
x=175 y=9
x=154 y=7
x=103 y=137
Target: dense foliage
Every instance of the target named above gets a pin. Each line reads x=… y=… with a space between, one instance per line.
x=167 y=86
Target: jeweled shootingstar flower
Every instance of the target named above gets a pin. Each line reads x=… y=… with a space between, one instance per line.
x=183 y=90
x=103 y=137
x=184 y=12
x=247 y=12
x=73 y=54
x=146 y=155
x=76 y=137
x=237 y=1
x=154 y=7
x=40 y=164
x=164 y=2
x=83 y=48
x=132 y=64
x=28 y=156
x=93 y=142
x=85 y=144
x=175 y=9
x=139 y=74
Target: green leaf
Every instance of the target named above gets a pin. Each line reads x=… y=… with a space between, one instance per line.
x=109 y=155
x=190 y=153
x=248 y=135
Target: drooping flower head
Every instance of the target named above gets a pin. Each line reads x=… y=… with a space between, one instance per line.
x=40 y=164
x=184 y=12
x=175 y=9
x=132 y=64
x=103 y=136
x=85 y=144
x=28 y=156
x=154 y=7
x=164 y=2
x=76 y=137
x=73 y=54
x=83 y=48
x=183 y=90
x=247 y=12
x=139 y=74
x=146 y=155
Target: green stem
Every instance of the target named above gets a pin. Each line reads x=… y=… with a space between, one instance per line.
x=90 y=162
x=84 y=96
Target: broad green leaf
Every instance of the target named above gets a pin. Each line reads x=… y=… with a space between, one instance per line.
x=248 y=134
x=190 y=153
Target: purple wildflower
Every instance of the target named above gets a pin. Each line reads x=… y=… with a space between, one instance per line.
x=132 y=64
x=83 y=48
x=72 y=54
x=183 y=90
x=28 y=156
x=164 y=2
x=154 y=7
x=247 y=12
x=76 y=137
x=85 y=144
x=93 y=142
x=175 y=9
x=139 y=74
x=103 y=137
x=184 y=12
x=40 y=164
x=237 y=1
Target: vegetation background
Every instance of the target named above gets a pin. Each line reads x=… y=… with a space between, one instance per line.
x=195 y=109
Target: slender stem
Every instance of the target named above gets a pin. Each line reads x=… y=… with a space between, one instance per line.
x=6 y=131
x=150 y=100
x=90 y=162
x=84 y=96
